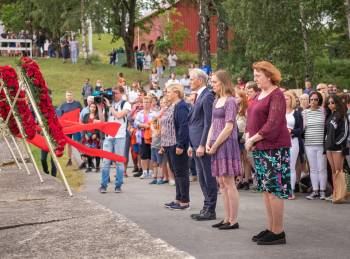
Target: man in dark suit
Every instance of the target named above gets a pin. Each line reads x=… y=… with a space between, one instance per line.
x=199 y=124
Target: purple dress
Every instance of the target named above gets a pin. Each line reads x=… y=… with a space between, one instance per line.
x=226 y=160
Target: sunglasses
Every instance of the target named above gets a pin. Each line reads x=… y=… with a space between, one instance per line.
x=331 y=102
x=314 y=99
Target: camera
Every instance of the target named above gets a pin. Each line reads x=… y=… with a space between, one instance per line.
x=100 y=95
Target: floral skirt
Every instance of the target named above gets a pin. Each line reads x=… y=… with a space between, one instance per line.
x=273 y=171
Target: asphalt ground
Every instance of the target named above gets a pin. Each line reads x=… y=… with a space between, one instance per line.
x=314 y=229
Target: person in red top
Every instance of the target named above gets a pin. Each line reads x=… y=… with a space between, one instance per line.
x=240 y=83
x=269 y=139
x=252 y=90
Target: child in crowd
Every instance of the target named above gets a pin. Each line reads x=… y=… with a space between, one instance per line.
x=154 y=78
x=121 y=79
x=156 y=157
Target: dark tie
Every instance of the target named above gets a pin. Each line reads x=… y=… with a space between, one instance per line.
x=195 y=98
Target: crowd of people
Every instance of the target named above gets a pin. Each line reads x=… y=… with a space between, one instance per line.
x=42 y=46
x=253 y=135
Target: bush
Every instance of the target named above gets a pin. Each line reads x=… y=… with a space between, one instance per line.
x=334 y=71
x=186 y=58
x=93 y=60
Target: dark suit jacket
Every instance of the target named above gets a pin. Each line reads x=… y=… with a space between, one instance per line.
x=200 y=118
x=297 y=132
x=181 y=124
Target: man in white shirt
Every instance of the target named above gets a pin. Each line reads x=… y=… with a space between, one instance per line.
x=172 y=58
x=133 y=93
x=117 y=112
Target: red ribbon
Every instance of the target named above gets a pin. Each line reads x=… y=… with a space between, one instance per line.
x=70 y=126
x=95 y=152
x=71 y=116
x=109 y=128
x=39 y=141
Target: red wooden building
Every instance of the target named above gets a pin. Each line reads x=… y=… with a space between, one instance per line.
x=188 y=17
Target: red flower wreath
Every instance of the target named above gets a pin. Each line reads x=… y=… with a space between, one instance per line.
x=40 y=91
x=9 y=76
x=4 y=111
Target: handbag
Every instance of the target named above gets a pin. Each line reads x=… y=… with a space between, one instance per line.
x=340 y=188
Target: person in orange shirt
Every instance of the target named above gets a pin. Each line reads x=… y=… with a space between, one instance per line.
x=159 y=65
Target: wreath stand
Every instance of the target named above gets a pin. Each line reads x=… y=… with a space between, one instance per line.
x=23 y=85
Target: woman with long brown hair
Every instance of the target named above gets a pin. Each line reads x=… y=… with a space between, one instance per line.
x=336 y=134
x=241 y=119
x=222 y=145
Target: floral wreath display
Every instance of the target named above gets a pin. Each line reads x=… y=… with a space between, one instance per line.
x=9 y=77
x=40 y=91
x=56 y=128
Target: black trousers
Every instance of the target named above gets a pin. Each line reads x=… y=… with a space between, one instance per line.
x=43 y=159
x=192 y=165
x=179 y=165
x=91 y=163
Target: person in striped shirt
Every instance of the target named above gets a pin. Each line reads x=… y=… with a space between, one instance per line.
x=314 y=121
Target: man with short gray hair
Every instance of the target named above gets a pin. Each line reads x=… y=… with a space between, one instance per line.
x=86 y=109
x=199 y=125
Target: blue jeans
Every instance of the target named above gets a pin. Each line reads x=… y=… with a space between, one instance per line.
x=74 y=56
x=114 y=145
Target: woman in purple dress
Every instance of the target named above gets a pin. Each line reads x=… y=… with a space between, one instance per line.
x=222 y=145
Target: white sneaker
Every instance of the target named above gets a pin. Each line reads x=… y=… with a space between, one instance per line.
x=150 y=174
x=144 y=175
x=329 y=198
x=322 y=196
x=312 y=196
x=172 y=182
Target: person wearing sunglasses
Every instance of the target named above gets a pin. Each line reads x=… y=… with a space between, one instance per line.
x=336 y=134
x=323 y=90
x=314 y=121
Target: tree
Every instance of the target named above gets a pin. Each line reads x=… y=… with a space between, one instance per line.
x=16 y=15
x=53 y=17
x=122 y=17
x=172 y=30
x=347 y=3
x=56 y=17
x=203 y=35
x=222 y=32
x=291 y=34
x=123 y=14
x=83 y=29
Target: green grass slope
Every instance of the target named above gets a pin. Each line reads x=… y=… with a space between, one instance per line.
x=65 y=76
